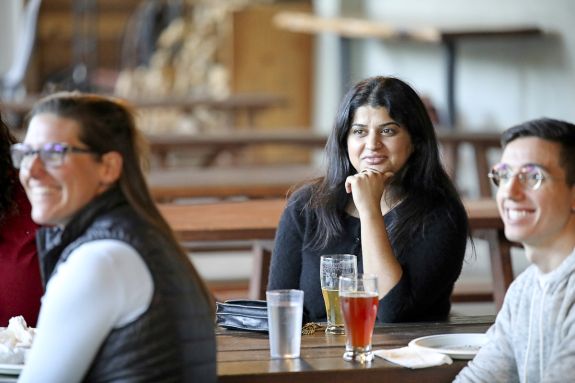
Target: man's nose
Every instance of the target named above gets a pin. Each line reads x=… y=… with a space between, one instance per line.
x=513 y=188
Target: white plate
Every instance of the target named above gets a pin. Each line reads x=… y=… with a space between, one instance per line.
x=11 y=369
x=457 y=346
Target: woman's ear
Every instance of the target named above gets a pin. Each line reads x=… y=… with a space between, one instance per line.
x=111 y=168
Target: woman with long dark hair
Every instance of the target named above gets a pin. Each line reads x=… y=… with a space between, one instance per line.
x=20 y=285
x=386 y=198
x=122 y=302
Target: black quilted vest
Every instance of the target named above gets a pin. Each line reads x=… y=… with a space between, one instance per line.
x=173 y=341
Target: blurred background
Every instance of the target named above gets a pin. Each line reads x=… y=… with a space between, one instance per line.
x=482 y=66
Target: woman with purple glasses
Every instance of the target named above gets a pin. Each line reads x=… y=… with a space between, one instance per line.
x=122 y=302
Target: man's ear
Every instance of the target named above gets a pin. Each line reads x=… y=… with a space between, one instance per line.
x=111 y=168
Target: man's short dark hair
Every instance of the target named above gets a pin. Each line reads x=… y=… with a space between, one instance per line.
x=553 y=130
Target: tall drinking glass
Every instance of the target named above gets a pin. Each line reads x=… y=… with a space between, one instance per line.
x=285 y=311
x=331 y=268
x=359 y=300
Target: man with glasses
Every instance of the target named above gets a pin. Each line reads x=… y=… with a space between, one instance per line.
x=533 y=338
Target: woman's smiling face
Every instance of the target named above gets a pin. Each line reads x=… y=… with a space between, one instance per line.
x=376 y=141
x=57 y=193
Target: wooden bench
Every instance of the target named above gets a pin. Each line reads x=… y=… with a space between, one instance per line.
x=248 y=104
x=248 y=182
x=161 y=145
x=451 y=142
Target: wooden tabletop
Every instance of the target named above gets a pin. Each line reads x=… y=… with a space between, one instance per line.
x=483 y=214
x=244 y=357
x=221 y=221
x=258 y=219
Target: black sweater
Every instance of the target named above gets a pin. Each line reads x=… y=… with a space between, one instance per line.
x=431 y=261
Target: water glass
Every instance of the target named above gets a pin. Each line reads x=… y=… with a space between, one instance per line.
x=359 y=300
x=331 y=268
x=285 y=312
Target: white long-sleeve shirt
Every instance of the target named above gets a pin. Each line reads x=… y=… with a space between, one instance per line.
x=533 y=338
x=103 y=285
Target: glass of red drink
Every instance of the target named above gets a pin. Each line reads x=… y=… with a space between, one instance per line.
x=358 y=297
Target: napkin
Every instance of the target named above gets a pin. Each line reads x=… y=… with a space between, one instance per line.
x=15 y=340
x=413 y=357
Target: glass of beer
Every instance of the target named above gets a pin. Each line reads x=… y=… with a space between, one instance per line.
x=359 y=300
x=331 y=268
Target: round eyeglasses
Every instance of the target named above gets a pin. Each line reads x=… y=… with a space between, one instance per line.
x=530 y=176
x=52 y=154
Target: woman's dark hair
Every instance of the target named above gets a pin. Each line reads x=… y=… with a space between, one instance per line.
x=106 y=125
x=553 y=130
x=422 y=182
x=8 y=175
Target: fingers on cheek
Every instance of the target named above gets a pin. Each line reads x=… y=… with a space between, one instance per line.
x=348 y=183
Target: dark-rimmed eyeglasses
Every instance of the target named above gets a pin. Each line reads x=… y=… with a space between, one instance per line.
x=52 y=154
x=530 y=176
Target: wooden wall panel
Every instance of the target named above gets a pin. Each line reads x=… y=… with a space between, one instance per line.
x=268 y=59
x=53 y=52
x=260 y=58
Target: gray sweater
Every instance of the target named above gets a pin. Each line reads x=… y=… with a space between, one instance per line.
x=533 y=338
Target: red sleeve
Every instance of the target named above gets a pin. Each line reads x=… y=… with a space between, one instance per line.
x=20 y=283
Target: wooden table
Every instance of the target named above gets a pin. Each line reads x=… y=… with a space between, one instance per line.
x=225 y=221
x=244 y=357
x=256 y=221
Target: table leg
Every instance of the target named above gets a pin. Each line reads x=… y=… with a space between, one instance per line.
x=162 y=156
x=449 y=155
x=262 y=253
x=501 y=267
x=482 y=169
x=450 y=57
